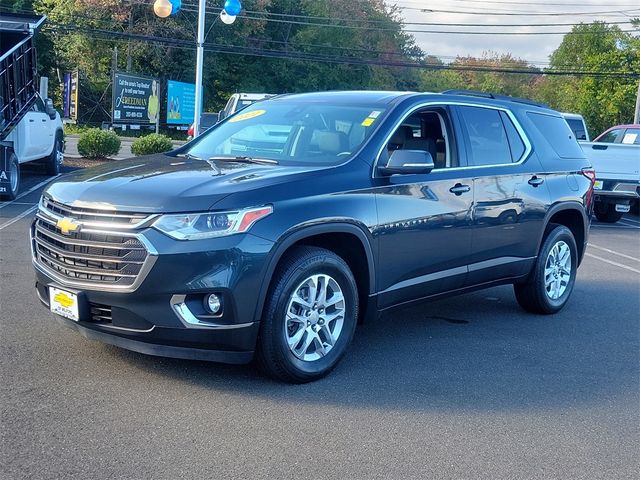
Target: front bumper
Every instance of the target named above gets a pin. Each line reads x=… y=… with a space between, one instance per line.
x=164 y=315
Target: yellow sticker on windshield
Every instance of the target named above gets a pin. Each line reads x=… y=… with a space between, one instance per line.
x=367 y=122
x=247 y=115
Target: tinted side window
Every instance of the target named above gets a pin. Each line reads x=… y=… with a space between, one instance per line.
x=578 y=128
x=611 y=136
x=487 y=136
x=557 y=133
x=515 y=140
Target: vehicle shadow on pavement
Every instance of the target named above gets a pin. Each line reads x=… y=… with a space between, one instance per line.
x=475 y=352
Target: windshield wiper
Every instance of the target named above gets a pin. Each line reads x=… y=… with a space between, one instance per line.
x=189 y=156
x=244 y=159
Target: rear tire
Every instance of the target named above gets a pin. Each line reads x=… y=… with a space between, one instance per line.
x=309 y=317
x=14 y=178
x=606 y=213
x=551 y=282
x=53 y=162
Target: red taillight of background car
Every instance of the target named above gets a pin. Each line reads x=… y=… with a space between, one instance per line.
x=590 y=173
x=190 y=131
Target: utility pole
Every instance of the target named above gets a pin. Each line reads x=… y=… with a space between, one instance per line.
x=202 y=5
x=636 y=117
x=129 y=42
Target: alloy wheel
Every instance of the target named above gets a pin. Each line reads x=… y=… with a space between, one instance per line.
x=557 y=270
x=315 y=317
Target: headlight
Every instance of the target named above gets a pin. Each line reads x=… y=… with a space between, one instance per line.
x=196 y=226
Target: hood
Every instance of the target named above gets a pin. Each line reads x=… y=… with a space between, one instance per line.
x=165 y=184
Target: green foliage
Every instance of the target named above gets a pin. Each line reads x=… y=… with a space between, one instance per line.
x=603 y=101
x=153 y=143
x=97 y=143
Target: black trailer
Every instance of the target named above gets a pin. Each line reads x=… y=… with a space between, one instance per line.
x=18 y=87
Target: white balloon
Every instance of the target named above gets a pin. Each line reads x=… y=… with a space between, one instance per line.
x=226 y=18
x=162 y=8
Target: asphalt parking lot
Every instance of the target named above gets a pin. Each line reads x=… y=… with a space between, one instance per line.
x=468 y=387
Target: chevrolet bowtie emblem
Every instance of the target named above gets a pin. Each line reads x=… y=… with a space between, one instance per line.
x=67 y=225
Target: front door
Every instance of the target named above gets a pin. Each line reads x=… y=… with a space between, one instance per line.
x=424 y=230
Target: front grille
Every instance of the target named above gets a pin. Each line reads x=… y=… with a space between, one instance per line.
x=87 y=257
x=88 y=215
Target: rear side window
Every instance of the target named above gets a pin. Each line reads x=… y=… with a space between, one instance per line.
x=488 y=141
x=557 y=133
x=515 y=140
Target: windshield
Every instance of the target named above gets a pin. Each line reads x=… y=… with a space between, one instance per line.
x=291 y=133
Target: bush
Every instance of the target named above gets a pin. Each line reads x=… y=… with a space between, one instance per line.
x=97 y=143
x=154 y=143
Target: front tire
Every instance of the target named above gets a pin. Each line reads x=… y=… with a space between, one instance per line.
x=606 y=213
x=53 y=162
x=309 y=317
x=551 y=282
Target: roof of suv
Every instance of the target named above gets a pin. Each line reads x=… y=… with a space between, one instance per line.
x=388 y=97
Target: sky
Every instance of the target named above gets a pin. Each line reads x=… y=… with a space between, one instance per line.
x=534 y=48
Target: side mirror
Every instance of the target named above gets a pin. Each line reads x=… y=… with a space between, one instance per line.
x=51 y=111
x=407 y=162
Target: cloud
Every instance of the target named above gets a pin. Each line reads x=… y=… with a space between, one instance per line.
x=534 y=48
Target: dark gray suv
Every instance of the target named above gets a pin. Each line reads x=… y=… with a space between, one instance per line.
x=277 y=231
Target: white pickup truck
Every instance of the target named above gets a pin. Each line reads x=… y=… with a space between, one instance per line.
x=617 y=167
x=30 y=128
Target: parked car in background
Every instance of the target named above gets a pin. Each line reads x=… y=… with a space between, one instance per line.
x=615 y=156
x=207 y=120
x=30 y=127
x=236 y=102
x=278 y=230
x=577 y=125
x=625 y=134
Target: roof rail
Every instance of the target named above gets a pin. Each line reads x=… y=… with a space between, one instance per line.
x=475 y=93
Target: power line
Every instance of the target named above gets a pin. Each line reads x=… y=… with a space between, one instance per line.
x=240 y=50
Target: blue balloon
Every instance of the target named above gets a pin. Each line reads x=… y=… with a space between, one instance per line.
x=232 y=7
x=176 y=5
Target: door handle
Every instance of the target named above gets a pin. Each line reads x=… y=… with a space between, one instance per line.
x=44 y=120
x=536 y=181
x=31 y=120
x=459 y=189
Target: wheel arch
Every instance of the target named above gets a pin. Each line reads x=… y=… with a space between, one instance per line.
x=573 y=216
x=329 y=236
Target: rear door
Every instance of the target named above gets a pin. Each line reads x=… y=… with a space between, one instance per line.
x=510 y=197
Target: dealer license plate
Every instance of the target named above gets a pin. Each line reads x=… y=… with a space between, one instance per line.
x=64 y=303
x=598 y=185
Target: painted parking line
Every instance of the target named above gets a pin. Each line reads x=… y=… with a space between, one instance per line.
x=615 y=264
x=628 y=221
x=15 y=219
x=619 y=227
x=613 y=252
x=32 y=189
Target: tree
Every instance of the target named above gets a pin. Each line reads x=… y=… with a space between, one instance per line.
x=603 y=101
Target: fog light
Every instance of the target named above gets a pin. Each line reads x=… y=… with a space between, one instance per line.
x=213 y=303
